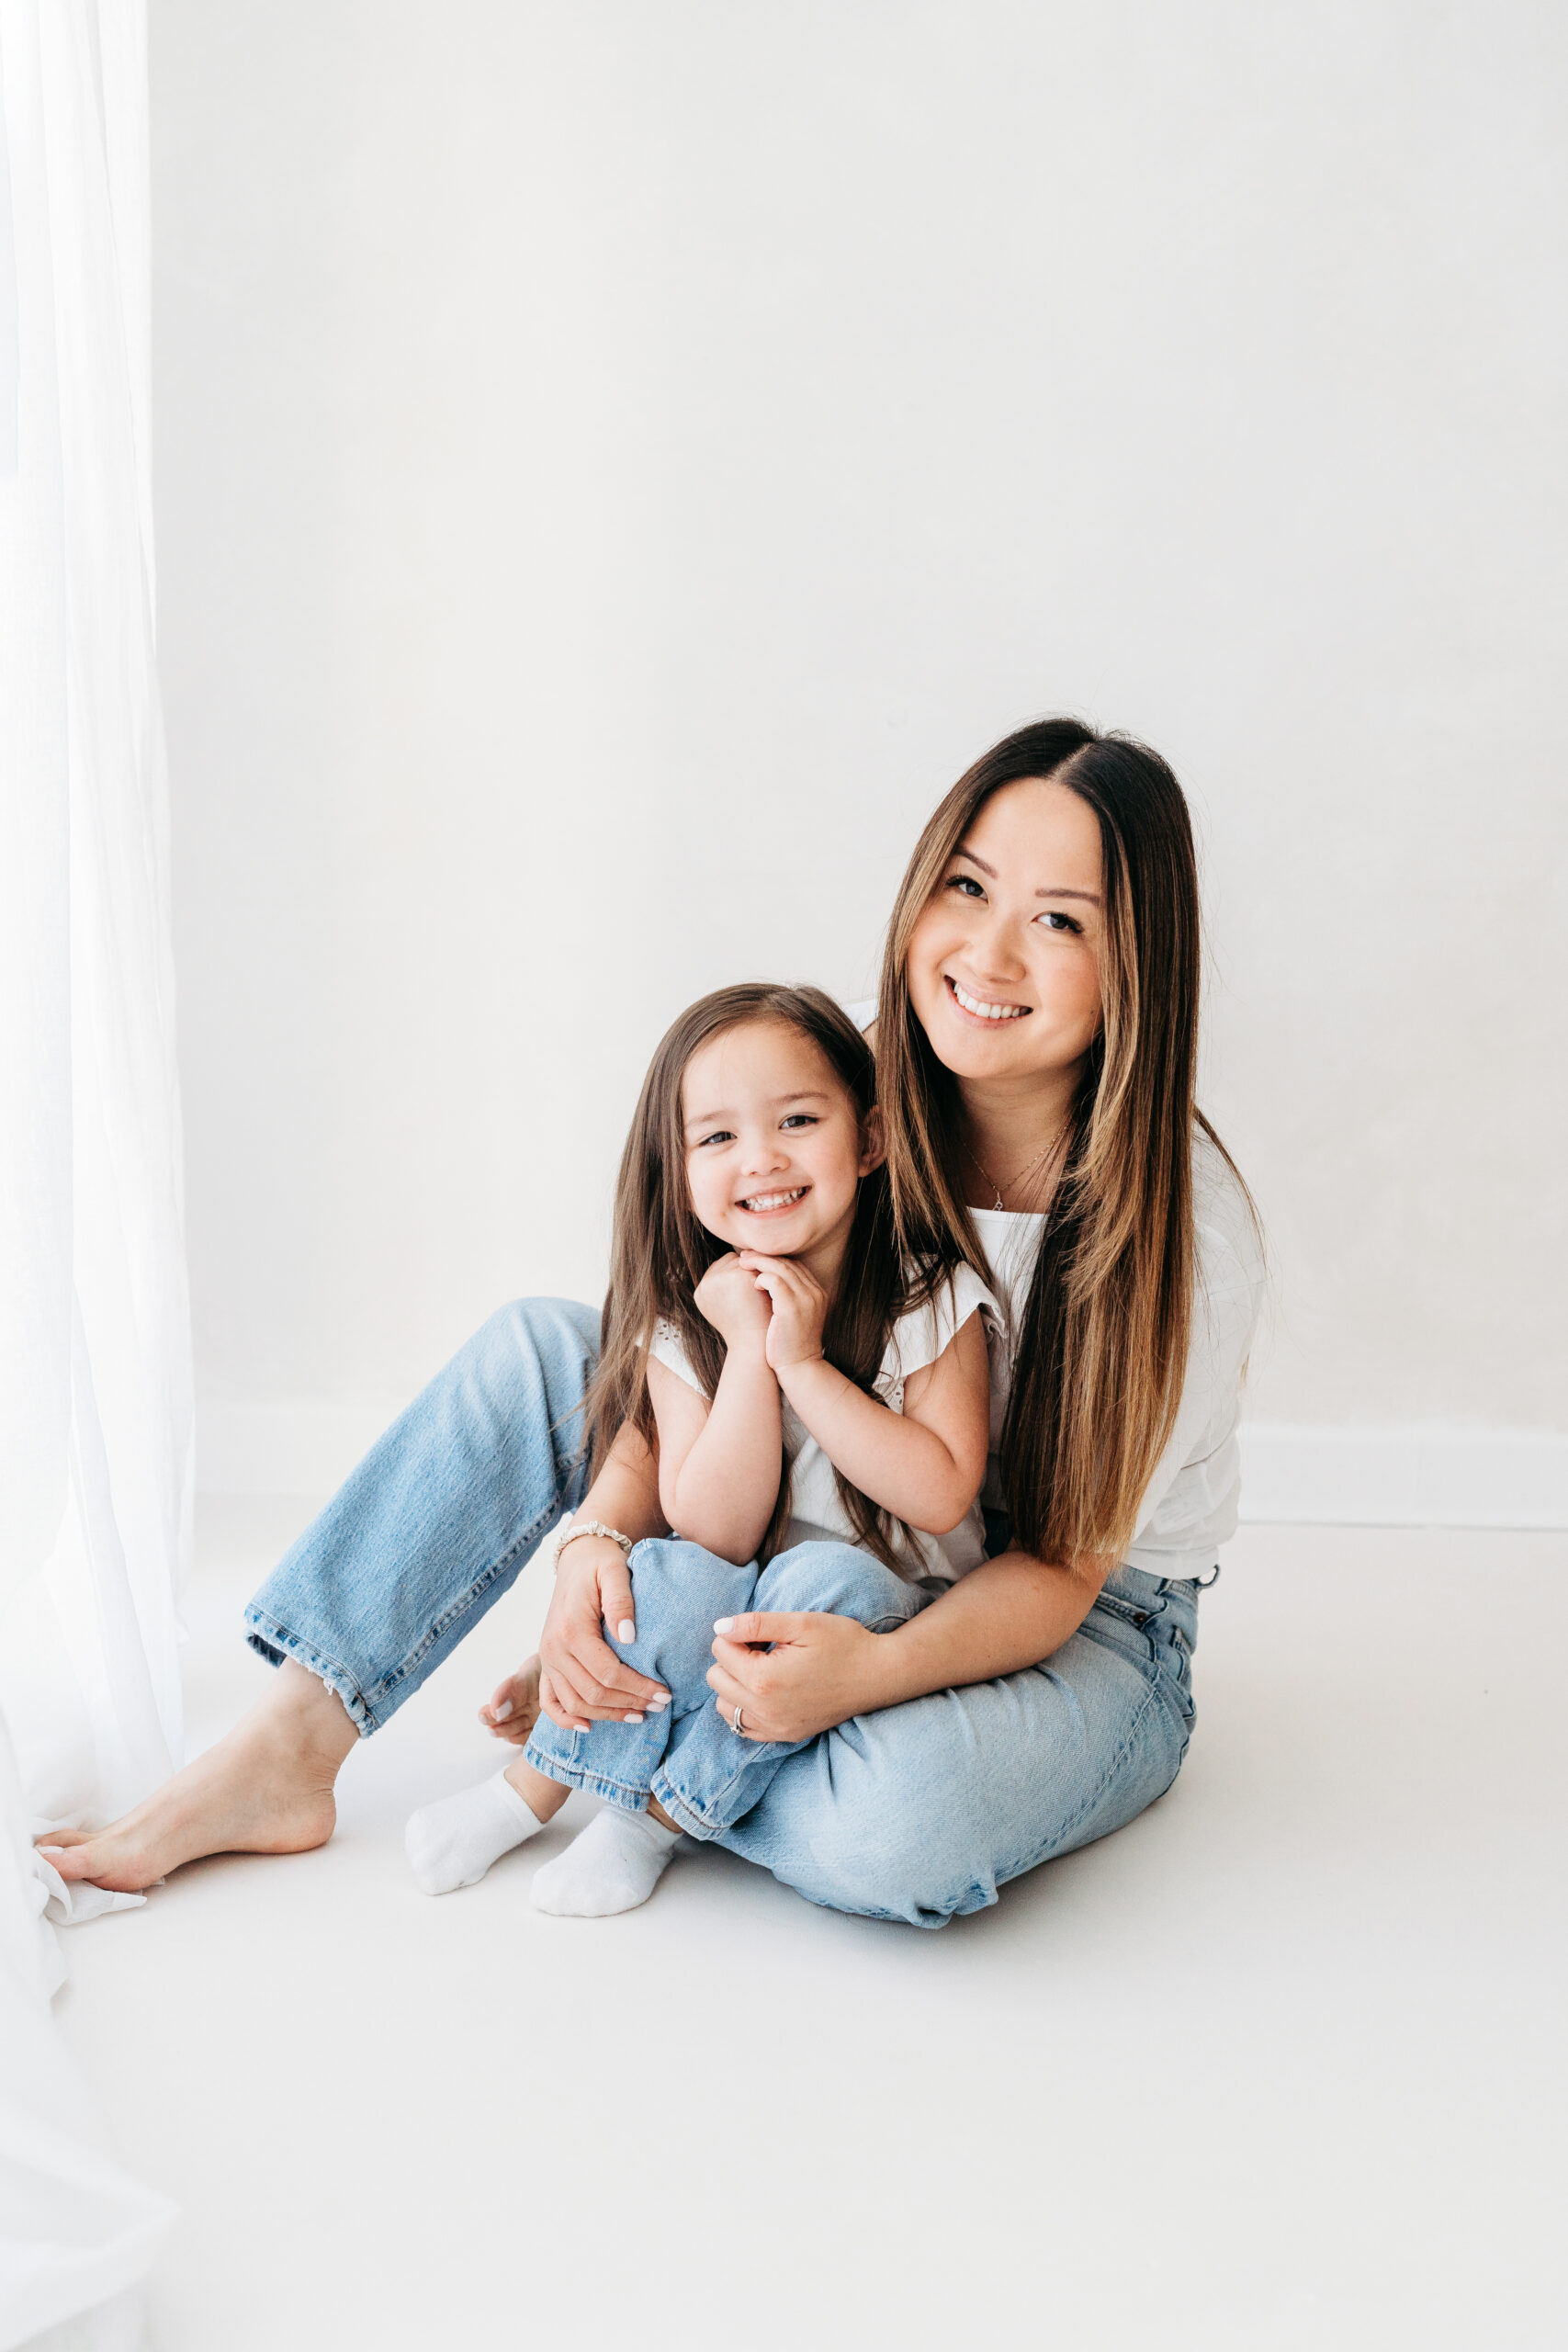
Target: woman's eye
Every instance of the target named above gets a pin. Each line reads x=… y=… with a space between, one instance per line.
x=1054 y=920
x=966 y=884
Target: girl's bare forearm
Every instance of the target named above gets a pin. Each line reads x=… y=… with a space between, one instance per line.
x=725 y=1488
x=1007 y=1614
x=625 y=1493
x=897 y=1463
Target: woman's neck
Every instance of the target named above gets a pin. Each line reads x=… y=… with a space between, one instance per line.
x=1006 y=1125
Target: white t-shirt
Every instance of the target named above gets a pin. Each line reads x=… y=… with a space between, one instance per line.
x=1189 y=1507
x=816 y=1512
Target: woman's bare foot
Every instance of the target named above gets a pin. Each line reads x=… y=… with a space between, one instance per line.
x=513 y=1708
x=265 y=1788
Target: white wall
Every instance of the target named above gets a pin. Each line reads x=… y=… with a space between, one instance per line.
x=616 y=464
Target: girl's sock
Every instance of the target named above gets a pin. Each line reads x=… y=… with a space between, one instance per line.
x=453 y=1843
x=615 y=1865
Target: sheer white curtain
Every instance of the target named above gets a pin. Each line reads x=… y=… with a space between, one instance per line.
x=95 y=1370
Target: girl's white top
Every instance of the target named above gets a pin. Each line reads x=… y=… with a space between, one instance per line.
x=816 y=1513
x=1189 y=1507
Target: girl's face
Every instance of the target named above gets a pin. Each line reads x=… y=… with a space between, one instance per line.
x=774 y=1147
x=1004 y=958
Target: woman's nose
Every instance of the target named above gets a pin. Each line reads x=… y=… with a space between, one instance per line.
x=998 y=952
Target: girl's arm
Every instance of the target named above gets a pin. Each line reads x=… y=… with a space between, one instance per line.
x=926 y=1464
x=720 y=1463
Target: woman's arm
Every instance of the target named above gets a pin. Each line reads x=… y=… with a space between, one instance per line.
x=1005 y=1615
x=582 y=1680
x=925 y=1464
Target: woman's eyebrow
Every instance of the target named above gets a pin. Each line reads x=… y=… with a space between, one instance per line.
x=962 y=852
x=1092 y=896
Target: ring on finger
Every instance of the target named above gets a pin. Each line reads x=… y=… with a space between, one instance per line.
x=736 y=1722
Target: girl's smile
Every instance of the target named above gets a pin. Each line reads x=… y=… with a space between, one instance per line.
x=773 y=1203
x=773 y=1144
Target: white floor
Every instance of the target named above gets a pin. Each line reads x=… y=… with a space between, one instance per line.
x=1279 y=2066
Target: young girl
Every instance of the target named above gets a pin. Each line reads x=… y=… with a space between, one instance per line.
x=799 y=1384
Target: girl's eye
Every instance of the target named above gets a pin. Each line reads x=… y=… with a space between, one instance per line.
x=799 y=1119
x=720 y=1134
x=964 y=883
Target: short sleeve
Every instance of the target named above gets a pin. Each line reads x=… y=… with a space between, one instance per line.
x=1227 y=1299
x=920 y=1337
x=668 y=1348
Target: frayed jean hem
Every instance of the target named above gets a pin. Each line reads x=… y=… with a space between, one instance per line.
x=276 y=1642
x=598 y=1785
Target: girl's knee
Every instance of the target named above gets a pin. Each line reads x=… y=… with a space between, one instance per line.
x=839 y=1580
x=675 y=1578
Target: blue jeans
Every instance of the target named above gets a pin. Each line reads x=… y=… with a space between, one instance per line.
x=919 y=1812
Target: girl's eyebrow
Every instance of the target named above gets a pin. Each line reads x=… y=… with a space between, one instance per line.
x=1092 y=896
x=712 y=1118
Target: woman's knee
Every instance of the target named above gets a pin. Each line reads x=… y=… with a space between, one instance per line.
x=885 y=1856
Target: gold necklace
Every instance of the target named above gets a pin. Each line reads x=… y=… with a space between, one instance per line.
x=1013 y=1182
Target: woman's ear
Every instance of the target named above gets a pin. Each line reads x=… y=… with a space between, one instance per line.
x=874 y=1151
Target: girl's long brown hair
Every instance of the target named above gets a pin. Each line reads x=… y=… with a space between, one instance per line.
x=659 y=1251
x=1101 y=1352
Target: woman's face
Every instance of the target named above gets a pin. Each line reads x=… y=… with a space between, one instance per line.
x=1004 y=959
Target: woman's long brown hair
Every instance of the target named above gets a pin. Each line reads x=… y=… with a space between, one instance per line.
x=1101 y=1352
x=659 y=1251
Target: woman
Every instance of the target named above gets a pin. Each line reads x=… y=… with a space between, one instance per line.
x=1036 y=1039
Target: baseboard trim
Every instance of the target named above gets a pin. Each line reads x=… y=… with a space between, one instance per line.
x=1420 y=1473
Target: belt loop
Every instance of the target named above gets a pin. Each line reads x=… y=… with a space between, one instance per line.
x=1201 y=1584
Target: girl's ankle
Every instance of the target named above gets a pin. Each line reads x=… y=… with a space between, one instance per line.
x=544 y=1798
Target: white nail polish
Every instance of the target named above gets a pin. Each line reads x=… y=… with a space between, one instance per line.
x=661 y=1701
x=626 y=1631
x=499 y=1715
x=722 y=1625
x=634 y=1719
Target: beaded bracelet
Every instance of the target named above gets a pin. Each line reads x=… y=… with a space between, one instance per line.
x=593 y=1527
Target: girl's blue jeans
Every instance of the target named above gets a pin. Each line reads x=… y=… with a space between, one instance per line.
x=915 y=1812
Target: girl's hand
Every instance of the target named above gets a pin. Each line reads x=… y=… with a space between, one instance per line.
x=513 y=1708
x=730 y=1299
x=819 y=1672
x=799 y=1308
x=581 y=1681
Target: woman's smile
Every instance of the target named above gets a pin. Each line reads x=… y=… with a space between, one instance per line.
x=979 y=1008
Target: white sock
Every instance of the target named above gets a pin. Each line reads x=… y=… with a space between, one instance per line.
x=615 y=1865
x=453 y=1843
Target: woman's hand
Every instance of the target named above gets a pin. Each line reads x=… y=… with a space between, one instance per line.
x=581 y=1681
x=513 y=1708
x=799 y=1306
x=729 y=1297
x=819 y=1672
